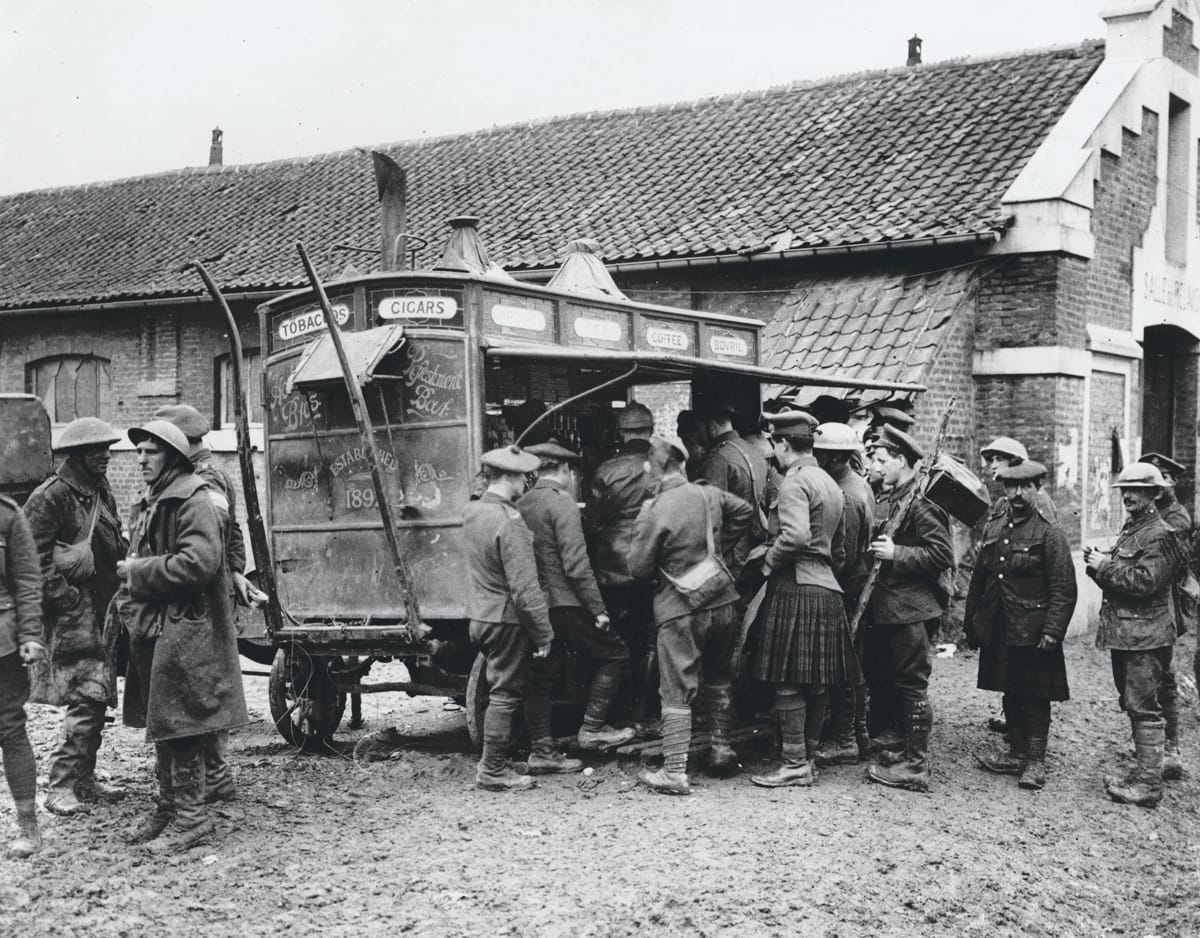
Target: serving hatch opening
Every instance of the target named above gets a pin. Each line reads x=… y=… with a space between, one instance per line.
x=369 y=353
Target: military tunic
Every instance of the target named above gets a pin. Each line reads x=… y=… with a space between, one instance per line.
x=733 y=465
x=20 y=615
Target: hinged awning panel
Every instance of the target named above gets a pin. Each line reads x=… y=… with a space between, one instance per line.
x=365 y=351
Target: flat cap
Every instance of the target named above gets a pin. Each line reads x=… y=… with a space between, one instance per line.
x=551 y=451
x=793 y=423
x=511 y=459
x=1005 y=446
x=635 y=416
x=893 y=417
x=1163 y=463
x=1139 y=475
x=187 y=418
x=675 y=446
x=1028 y=471
x=836 y=437
x=829 y=409
x=896 y=439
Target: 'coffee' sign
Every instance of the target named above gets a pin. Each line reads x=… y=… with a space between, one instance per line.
x=310 y=321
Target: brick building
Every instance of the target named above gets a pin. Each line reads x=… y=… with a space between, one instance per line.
x=1018 y=231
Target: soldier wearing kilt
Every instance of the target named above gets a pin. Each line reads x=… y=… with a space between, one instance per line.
x=805 y=644
x=1020 y=601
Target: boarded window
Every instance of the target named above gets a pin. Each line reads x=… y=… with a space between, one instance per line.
x=252 y=376
x=71 y=386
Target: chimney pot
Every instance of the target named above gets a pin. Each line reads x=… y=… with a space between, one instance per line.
x=914 y=51
x=215 y=148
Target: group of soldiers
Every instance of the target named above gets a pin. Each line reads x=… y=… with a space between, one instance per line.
x=803 y=556
x=84 y=598
x=790 y=553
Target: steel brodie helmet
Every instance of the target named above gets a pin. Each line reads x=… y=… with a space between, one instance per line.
x=1005 y=446
x=83 y=432
x=165 y=433
x=836 y=438
x=1139 y=475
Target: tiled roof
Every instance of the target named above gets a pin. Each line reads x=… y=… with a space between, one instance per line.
x=877 y=327
x=883 y=156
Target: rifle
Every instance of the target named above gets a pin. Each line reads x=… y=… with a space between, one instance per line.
x=254 y=519
x=897 y=518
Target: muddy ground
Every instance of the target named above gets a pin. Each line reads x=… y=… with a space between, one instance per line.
x=346 y=845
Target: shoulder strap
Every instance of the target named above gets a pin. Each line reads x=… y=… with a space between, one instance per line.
x=92 y=516
x=708 y=535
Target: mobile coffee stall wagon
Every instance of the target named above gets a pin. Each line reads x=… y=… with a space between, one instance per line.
x=451 y=362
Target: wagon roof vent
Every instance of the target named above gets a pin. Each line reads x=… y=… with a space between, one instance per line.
x=465 y=253
x=582 y=271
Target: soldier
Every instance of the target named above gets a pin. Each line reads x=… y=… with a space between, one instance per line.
x=1019 y=604
x=73 y=517
x=219 y=785
x=1137 y=625
x=756 y=434
x=509 y=617
x=729 y=463
x=805 y=645
x=175 y=603
x=620 y=486
x=905 y=599
x=690 y=428
x=577 y=612
x=834 y=445
x=1178 y=519
x=20 y=644
x=675 y=533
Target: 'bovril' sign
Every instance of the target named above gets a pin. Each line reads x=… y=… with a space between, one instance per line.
x=311 y=320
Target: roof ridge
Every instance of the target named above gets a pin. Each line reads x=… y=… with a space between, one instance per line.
x=754 y=93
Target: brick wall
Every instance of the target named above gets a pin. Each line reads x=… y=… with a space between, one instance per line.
x=1105 y=419
x=1124 y=197
x=1177 y=42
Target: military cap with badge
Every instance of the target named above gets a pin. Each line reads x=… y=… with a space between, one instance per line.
x=511 y=459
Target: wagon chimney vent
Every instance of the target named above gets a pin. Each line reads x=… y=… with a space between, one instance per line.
x=215 y=148
x=392 y=183
x=582 y=271
x=464 y=252
x=914 y=51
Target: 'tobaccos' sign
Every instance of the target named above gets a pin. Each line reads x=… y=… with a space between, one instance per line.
x=310 y=321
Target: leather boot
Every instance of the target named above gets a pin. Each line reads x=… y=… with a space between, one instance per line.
x=218 y=777
x=494 y=773
x=66 y=761
x=912 y=773
x=861 y=736
x=1173 y=768
x=672 y=778
x=1013 y=761
x=87 y=789
x=29 y=837
x=191 y=825
x=595 y=734
x=841 y=749
x=1033 y=776
x=545 y=759
x=718 y=701
x=648 y=705
x=1144 y=786
x=795 y=769
x=164 y=809
x=890 y=740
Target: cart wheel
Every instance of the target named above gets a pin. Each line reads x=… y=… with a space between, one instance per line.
x=478 y=692
x=305 y=705
x=477 y=700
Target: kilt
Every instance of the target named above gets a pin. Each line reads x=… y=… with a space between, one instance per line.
x=1024 y=670
x=805 y=637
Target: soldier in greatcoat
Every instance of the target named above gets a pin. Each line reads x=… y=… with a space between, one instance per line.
x=1137 y=624
x=906 y=599
x=20 y=645
x=510 y=621
x=1176 y=516
x=620 y=486
x=681 y=527
x=805 y=646
x=218 y=777
x=834 y=446
x=577 y=612
x=75 y=524
x=1019 y=604
x=175 y=603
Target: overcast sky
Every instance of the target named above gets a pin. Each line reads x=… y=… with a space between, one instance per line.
x=102 y=90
